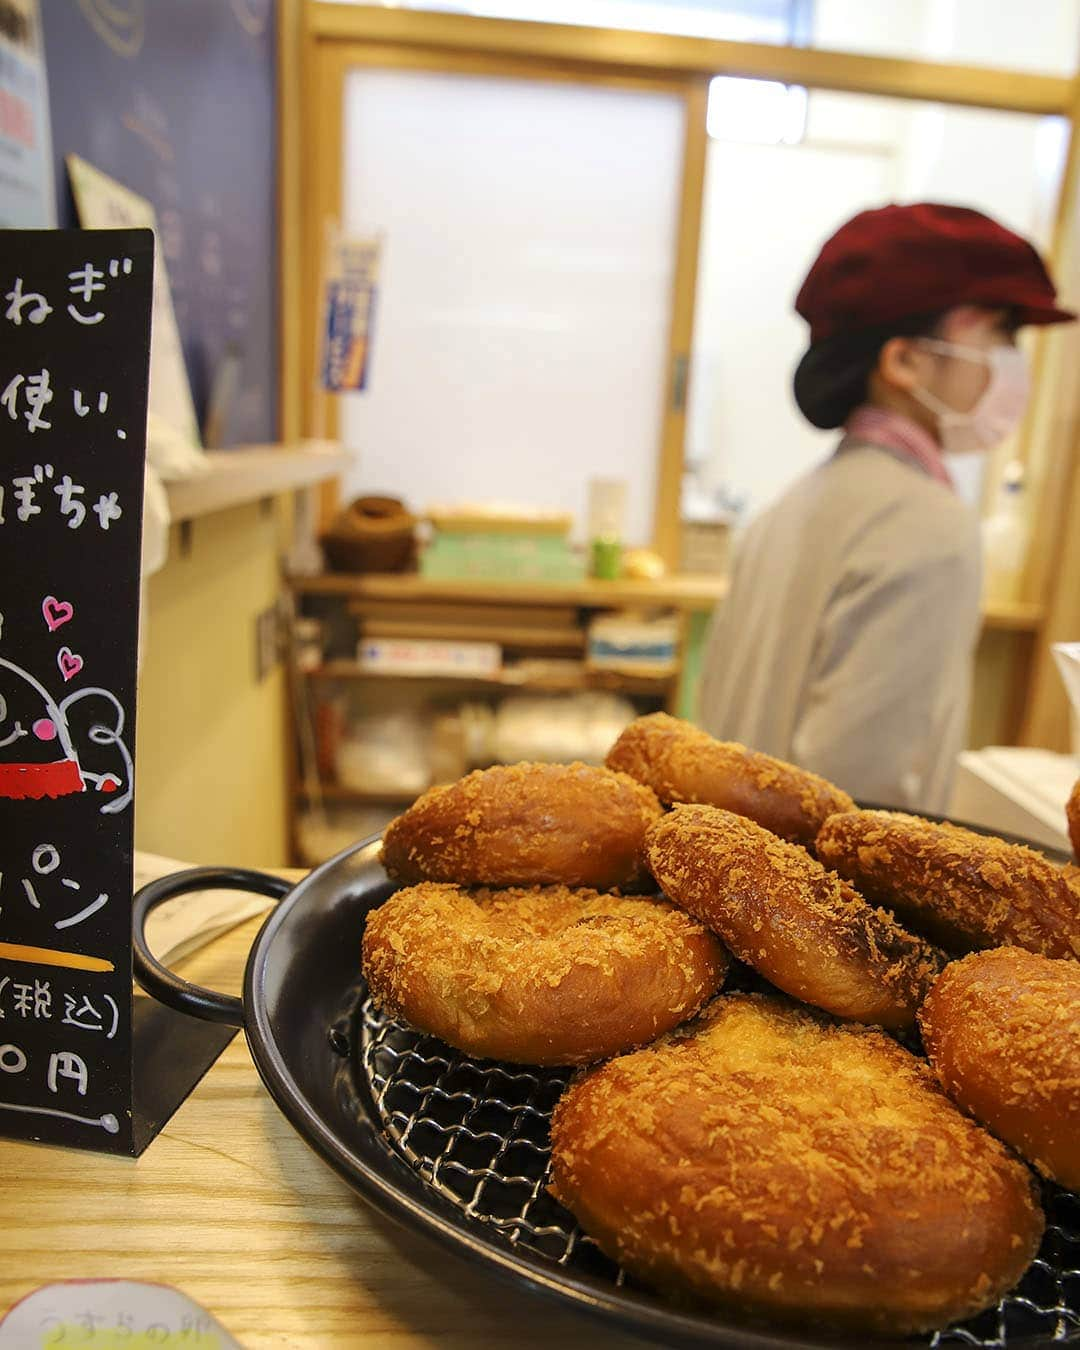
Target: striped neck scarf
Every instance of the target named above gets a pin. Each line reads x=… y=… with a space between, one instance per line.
x=894 y=431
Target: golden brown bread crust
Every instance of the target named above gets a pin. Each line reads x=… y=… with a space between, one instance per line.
x=1002 y=1029
x=966 y=891
x=803 y=928
x=682 y=763
x=545 y=975
x=526 y=825
x=1072 y=812
x=775 y=1162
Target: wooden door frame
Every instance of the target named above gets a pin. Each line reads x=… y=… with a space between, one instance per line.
x=659 y=54
x=1052 y=575
x=332 y=62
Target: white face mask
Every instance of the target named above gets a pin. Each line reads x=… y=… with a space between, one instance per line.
x=997 y=413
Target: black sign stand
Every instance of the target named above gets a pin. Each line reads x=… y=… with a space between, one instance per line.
x=74 y=367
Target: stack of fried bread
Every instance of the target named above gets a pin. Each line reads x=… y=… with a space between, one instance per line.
x=530 y=930
x=780 y=1152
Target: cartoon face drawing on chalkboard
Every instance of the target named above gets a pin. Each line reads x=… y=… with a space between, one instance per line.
x=34 y=760
x=36 y=755
x=47 y=749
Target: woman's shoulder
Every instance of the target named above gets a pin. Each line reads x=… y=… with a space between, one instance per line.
x=887 y=485
x=906 y=524
x=866 y=495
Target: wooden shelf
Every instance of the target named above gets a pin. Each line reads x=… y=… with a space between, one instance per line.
x=1015 y=616
x=692 y=593
x=537 y=636
x=334 y=792
x=628 y=682
x=251 y=472
x=688 y=593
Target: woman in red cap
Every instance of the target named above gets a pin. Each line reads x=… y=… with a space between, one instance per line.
x=846 y=642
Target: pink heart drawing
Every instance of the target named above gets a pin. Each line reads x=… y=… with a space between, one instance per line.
x=69 y=663
x=56 y=612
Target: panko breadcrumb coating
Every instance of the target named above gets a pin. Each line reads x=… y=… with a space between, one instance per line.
x=527 y=825
x=774 y=1162
x=1002 y=1029
x=546 y=975
x=682 y=763
x=964 y=890
x=779 y=910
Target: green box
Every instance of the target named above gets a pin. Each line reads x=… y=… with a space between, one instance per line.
x=499 y=556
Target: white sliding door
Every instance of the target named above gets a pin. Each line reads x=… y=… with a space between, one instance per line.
x=523 y=317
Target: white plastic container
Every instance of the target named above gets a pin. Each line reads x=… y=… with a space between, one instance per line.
x=1067 y=656
x=385 y=753
x=1015 y=789
x=1004 y=536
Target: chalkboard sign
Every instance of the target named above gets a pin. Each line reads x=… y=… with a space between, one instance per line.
x=175 y=99
x=74 y=362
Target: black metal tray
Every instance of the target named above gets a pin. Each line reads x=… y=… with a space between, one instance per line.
x=458 y=1149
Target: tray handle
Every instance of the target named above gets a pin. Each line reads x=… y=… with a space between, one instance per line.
x=166 y=986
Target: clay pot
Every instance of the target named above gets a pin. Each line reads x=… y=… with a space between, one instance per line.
x=372 y=534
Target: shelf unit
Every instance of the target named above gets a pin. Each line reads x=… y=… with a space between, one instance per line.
x=541 y=629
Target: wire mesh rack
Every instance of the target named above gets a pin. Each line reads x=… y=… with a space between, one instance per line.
x=477 y=1132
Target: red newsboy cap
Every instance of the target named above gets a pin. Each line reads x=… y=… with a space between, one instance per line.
x=901 y=261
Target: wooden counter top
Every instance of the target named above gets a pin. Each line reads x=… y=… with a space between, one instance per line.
x=250 y=472
x=231 y=1207
x=676 y=592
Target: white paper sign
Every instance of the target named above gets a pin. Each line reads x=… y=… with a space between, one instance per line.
x=1067 y=656
x=106 y=1314
x=188 y=922
x=104 y=204
x=349 y=291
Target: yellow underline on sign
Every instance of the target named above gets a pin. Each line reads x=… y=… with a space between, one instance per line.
x=47 y=956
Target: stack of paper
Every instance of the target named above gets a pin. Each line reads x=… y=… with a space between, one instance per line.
x=183 y=925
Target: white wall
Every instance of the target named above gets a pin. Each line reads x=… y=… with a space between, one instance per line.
x=1006 y=164
x=1037 y=35
x=876 y=27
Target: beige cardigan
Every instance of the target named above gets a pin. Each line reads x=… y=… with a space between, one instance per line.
x=846 y=642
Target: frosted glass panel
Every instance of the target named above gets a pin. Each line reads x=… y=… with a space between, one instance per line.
x=1041 y=36
x=767 y=211
x=524 y=305
x=769 y=208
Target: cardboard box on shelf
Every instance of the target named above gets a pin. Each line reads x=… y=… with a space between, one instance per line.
x=415 y=656
x=498 y=518
x=634 y=644
x=706 y=547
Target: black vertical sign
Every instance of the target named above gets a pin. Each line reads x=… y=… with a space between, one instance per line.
x=74 y=363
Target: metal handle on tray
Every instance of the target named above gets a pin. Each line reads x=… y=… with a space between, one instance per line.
x=166 y=986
